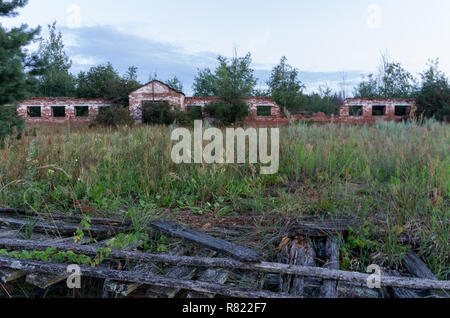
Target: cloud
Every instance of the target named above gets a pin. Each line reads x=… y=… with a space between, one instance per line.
x=102 y=44
x=89 y=46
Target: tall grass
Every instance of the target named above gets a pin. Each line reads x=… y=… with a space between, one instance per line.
x=395 y=176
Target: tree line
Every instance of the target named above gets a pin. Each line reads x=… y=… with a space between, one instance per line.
x=46 y=73
x=431 y=89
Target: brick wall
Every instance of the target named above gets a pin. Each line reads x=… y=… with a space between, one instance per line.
x=70 y=104
x=154 y=91
x=367 y=106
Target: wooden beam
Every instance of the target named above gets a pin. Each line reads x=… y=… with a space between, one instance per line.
x=8 y=275
x=325 y=273
x=211 y=275
x=401 y=292
x=302 y=254
x=126 y=289
x=135 y=277
x=416 y=267
x=59 y=228
x=235 y=251
x=329 y=287
x=58 y=216
x=180 y=272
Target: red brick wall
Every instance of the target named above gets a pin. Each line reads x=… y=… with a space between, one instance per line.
x=368 y=103
x=156 y=91
x=46 y=105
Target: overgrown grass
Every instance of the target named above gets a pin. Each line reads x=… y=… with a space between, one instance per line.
x=393 y=178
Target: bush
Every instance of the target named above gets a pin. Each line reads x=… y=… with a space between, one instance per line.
x=113 y=116
x=226 y=113
x=184 y=119
x=10 y=122
x=157 y=113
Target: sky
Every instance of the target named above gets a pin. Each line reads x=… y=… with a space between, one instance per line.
x=327 y=40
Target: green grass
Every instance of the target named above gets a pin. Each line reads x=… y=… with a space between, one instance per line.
x=393 y=178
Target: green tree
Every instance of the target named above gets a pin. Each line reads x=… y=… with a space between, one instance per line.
x=392 y=81
x=285 y=87
x=175 y=84
x=231 y=81
x=56 y=79
x=103 y=81
x=433 y=98
x=15 y=65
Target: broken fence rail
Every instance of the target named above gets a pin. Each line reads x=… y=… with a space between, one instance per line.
x=236 y=251
x=58 y=216
x=136 y=277
x=360 y=279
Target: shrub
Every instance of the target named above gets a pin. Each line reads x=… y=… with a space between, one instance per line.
x=184 y=119
x=113 y=116
x=10 y=122
x=157 y=113
x=227 y=113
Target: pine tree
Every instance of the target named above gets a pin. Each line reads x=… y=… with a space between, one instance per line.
x=15 y=64
x=56 y=80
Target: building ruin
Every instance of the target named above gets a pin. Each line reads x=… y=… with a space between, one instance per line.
x=263 y=111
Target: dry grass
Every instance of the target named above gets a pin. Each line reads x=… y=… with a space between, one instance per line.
x=394 y=176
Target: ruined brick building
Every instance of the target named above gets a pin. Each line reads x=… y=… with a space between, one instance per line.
x=368 y=110
x=263 y=111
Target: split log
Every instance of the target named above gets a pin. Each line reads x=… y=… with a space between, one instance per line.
x=8 y=275
x=220 y=232
x=74 y=218
x=350 y=290
x=211 y=275
x=147 y=279
x=59 y=228
x=314 y=228
x=235 y=251
x=416 y=267
x=302 y=254
x=329 y=288
x=8 y=233
x=324 y=273
x=126 y=289
x=179 y=272
x=401 y=292
x=43 y=280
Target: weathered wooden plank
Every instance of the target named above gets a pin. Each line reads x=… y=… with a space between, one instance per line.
x=75 y=218
x=211 y=275
x=43 y=280
x=303 y=254
x=8 y=233
x=8 y=275
x=143 y=278
x=235 y=251
x=416 y=267
x=329 y=288
x=126 y=289
x=59 y=228
x=180 y=272
x=325 y=273
x=318 y=228
x=349 y=290
x=401 y=292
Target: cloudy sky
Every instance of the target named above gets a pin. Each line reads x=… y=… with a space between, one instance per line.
x=323 y=38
